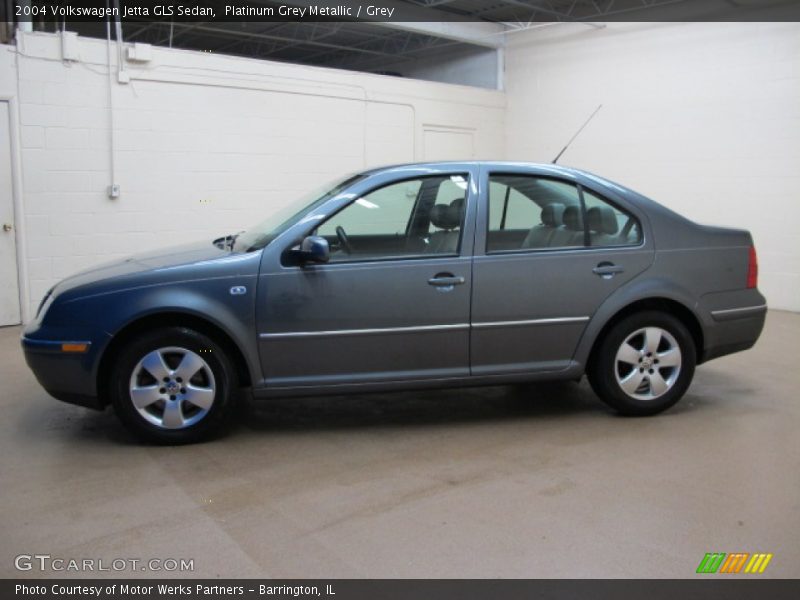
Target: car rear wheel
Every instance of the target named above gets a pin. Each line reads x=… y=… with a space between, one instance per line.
x=644 y=364
x=172 y=386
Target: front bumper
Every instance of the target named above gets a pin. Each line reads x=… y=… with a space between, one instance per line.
x=65 y=375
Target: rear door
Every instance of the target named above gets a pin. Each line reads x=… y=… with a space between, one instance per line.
x=393 y=302
x=538 y=281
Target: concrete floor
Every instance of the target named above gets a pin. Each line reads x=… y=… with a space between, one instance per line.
x=540 y=481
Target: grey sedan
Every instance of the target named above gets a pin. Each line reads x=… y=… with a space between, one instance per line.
x=411 y=276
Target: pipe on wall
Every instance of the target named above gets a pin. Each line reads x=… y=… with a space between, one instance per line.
x=112 y=162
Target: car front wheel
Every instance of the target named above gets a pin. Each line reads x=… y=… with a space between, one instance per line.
x=172 y=385
x=644 y=364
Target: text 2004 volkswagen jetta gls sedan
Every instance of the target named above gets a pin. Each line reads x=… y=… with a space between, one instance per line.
x=409 y=276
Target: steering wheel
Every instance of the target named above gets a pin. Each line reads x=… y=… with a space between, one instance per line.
x=344 y=241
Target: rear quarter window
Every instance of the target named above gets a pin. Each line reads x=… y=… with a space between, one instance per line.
x=608 y=224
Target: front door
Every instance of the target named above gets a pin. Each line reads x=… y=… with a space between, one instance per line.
x=393 y=302
x=548 y=252
x=9 y=289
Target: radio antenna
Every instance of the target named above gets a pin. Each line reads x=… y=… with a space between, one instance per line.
x=577 y=133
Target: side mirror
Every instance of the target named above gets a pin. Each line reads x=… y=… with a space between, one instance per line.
x=313 y=248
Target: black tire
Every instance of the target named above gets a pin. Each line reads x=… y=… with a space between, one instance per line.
x=604 y=369
x=219 y=385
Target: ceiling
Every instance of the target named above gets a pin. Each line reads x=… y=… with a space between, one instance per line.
x=542 y=10
x=386 y=47
x=363 y=46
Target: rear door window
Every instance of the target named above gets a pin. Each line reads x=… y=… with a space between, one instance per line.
x=528 y=213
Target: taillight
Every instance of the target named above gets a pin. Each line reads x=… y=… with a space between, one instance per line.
x=752 y=269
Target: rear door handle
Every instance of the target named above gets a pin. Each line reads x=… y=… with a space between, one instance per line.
x=445 y=280
x=607 y=270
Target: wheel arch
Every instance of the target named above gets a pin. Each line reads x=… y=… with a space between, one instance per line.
x=660 y=303
x=170 y=318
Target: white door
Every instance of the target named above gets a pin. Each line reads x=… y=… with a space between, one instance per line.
x=9 y=283
x=448 y=143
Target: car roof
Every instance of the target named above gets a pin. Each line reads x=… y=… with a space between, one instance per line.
x=571 y=171
x=430 y=163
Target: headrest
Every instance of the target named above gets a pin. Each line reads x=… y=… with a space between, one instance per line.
x=602 y=220
x=446 y=216
x=552 y=214
x=572 y=218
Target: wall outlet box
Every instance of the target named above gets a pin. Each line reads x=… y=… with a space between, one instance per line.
x=140 y=52
x=69 y=46
x=113 y=190
x=123 y=77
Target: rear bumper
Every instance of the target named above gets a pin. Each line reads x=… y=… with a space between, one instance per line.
x=733 y=329
x=66 y=376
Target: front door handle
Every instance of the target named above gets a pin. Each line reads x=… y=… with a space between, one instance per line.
x=607 y=270
x=445 y=281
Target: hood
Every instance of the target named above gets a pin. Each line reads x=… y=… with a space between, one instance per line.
x=156 y=260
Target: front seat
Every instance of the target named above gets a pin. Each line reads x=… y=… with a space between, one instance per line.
x=447 y=218
x=539 y=235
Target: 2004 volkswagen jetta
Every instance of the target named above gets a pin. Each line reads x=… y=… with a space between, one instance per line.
x=408 y=276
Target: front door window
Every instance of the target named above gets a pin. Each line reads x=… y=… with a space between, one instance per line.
x=420 y=217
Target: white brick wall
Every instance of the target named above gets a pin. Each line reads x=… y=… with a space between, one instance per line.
x=702 y=117
x=204 y=145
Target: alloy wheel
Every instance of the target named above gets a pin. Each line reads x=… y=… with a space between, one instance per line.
x=648 y=363
x=172 y=387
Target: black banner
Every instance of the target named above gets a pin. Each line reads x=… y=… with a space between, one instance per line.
x=711 y=588
x=66 y=11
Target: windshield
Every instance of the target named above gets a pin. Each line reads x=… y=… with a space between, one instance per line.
x=262 y=234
